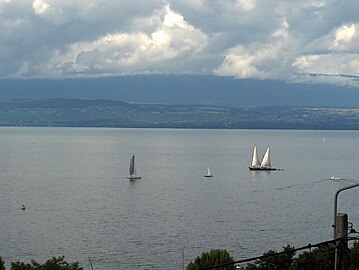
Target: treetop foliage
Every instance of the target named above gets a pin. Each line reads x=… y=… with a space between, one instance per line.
x=321 y=258
x=56 y=263
x=214 y=257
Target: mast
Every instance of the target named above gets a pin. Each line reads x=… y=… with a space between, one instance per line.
x=132 y=165
x=255 y=160
x=266 y=160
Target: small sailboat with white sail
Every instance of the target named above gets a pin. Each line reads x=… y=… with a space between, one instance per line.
x=264 y=165
x=208 y=173
x=133 y=175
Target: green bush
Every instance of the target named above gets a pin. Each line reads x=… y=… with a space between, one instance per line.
x=52 y=264
x=214 y=257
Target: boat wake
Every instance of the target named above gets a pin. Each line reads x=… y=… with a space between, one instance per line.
x=287 y=187
x=339 y=179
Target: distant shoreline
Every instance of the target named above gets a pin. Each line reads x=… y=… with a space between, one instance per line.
x=176 y=128
x=117 y=114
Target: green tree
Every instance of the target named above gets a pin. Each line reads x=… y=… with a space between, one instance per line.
x=318 y=259
x=273 y=260
x=214 y=257
x=354 y=257
x=306 y=260
x=52 y=264
x=2 y=266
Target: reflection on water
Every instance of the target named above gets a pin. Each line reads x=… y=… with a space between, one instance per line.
x=80 y=204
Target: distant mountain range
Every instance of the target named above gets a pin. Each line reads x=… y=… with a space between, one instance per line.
x=185 y=90
x=112 y=113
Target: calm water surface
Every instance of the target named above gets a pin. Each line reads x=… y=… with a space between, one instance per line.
x=79 y=203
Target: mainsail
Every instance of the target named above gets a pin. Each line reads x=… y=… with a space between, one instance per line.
x=266 y=160
x=208 y=173
x=133 y=175
x=255 y=160
x=132 y=165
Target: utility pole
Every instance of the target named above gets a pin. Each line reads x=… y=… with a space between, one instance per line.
x=90 y=263
x=336 y=202
x=341 y=251
x=341 y=230
x=183 y=258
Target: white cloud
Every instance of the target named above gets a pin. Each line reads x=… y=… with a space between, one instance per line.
x=40 y=6
x=282 y=32
x=336 y=54
x=172 y=42
x=260 y=60
x=329 y=64
x=246 y=5
x=344 y=35
x=246 y=63
x=291 y=52
x=277 y=39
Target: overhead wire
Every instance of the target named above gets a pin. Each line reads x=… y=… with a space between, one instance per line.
x=309 y=246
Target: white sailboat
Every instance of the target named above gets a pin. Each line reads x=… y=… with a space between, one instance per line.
x=255 y=160
x=265 y=165
x=133 y=175
x=208 y=173
x=266 y=160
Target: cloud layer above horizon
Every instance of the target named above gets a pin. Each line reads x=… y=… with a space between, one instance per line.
x=306 y=41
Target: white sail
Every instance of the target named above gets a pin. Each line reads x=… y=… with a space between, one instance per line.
x=255 y=160
x=266 y=160
x=208 y=173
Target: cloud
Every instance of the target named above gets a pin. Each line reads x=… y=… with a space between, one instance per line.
x=40 y=6
x=296 y=50
x=257 y=39
x=246 y=5
x=163 y=50
x=346 y=37
x=336 y=54
x=263 y=60
x=329 y=64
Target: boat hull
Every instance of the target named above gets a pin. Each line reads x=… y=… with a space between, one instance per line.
x=207 y=176
x=261 y=169
x=133 y=177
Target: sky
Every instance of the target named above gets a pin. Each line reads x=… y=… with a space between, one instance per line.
x=314 y=41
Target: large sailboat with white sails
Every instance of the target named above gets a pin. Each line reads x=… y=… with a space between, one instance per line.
x=264 y=165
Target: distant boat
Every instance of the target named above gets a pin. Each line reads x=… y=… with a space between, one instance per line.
x=23 y=207
x=265 y=165
x=335 y=178
x=133 y=175
x=208 y=173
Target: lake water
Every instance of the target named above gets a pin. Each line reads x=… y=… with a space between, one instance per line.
x=79 y=203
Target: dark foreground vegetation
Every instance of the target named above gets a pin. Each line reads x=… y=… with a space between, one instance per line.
x=321 y=258
x=110 y=113
x=51 y=264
